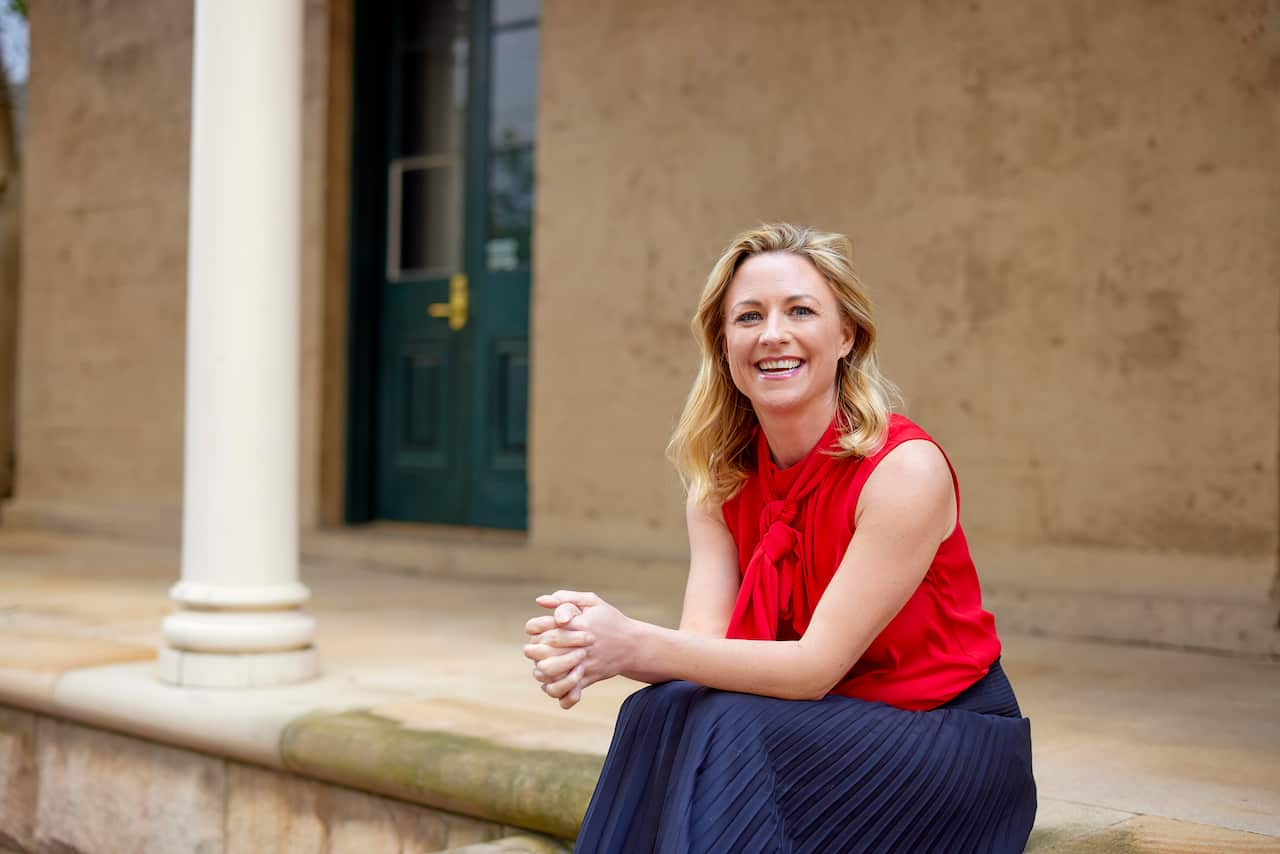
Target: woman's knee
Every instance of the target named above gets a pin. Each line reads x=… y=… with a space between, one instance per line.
x=663 y=695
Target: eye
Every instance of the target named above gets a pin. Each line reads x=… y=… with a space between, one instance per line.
x=748 y=317
x=802 y=310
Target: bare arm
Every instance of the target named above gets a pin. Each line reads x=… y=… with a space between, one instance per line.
x=906 y=510
x=712 y=587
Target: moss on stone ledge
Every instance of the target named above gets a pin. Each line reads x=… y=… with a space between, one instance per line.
x=546 y=790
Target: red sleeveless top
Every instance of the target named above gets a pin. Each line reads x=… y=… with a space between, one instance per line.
x=792 y=528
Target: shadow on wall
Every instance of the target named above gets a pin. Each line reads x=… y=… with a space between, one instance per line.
x=10 y=270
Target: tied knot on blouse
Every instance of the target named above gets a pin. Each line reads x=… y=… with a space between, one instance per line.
x=774 y=582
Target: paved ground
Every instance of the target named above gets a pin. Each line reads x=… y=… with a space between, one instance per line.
x=1135 y=749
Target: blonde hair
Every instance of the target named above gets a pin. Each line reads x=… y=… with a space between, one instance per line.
x=711 y=446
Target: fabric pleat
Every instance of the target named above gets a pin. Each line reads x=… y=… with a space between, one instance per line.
x=692 y=769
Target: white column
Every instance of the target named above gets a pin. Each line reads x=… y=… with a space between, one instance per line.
x=238 y=622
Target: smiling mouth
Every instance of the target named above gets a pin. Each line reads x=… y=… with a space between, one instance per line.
x=778 y=367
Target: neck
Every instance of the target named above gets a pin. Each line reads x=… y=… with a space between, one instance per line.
x=791 y=435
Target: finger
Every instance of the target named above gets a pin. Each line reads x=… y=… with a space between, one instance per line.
x=566 y=612
x=565 y=638
x=568 y=701
x=558 y=665
x=561 y=687
x=538 y=651
x=538 y=625
x=554 y=600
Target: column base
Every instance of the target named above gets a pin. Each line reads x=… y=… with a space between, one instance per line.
x=236 y=670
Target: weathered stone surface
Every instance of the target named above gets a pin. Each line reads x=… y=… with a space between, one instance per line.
x=54 y=652
x=101 y=793
x=17 y=778
x=270 y=811
x=517 y=844
x=1060 y=821
x=462 y=830
x=543 y=790
x=279 y=813
x=1149 y=834
x=500 y=724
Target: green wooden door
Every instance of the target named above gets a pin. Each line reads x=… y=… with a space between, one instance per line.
x=452 y=340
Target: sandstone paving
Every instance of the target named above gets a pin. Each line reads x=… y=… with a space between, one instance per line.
x=1138 y=743
x=1156 y=835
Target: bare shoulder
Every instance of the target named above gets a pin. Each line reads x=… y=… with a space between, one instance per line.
x=705 y=512
x=913 y=476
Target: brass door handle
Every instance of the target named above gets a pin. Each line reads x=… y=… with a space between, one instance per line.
x=456 y=308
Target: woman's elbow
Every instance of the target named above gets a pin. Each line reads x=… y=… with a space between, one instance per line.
x=814 y=685
x=817 y=677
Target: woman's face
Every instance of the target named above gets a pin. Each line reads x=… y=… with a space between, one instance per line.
x=783 y=334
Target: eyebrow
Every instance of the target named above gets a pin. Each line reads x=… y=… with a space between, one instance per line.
x=746 y=302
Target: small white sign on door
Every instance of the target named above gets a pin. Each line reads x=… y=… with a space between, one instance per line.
x=502 y=253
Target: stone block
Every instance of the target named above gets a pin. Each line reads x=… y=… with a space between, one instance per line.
x=278 y=813
x=543 y=790
x=516 y=844
x=17 y=778
x=101 y=792
x=463 y=830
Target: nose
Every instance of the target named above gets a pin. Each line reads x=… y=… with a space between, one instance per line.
x=774 y=330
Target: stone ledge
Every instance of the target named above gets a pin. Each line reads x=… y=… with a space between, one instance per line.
x=447 y=791
x=69 y=788
x=544 y=790
x=1230 y=628
x=511 y=845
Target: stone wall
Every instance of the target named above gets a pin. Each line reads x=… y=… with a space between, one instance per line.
x=70 y=788
x=104 y=250
x=100 y=372
x=1067 y=215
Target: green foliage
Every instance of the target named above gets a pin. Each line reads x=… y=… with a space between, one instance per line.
x=19 y=6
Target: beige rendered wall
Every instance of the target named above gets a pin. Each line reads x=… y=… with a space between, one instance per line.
x=1067 y=214
x=100 y=376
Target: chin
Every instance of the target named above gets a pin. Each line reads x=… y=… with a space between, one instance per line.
x=779 y=405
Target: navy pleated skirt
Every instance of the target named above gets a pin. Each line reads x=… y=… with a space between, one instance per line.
x=693 y=769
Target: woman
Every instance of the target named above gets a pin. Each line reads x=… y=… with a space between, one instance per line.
x=835 y=682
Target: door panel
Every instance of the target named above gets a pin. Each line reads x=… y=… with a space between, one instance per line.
x=420 y=475
x=452 y=401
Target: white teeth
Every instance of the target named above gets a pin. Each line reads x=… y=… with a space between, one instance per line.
x=779 y=364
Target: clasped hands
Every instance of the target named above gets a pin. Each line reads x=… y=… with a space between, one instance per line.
x=582 y=641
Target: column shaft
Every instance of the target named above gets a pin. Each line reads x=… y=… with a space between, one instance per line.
x=240 y=589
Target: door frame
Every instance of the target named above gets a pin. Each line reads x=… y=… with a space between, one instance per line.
x=372 y=94
x=370 y=102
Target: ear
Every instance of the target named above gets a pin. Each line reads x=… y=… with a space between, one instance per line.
x=850 y=332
